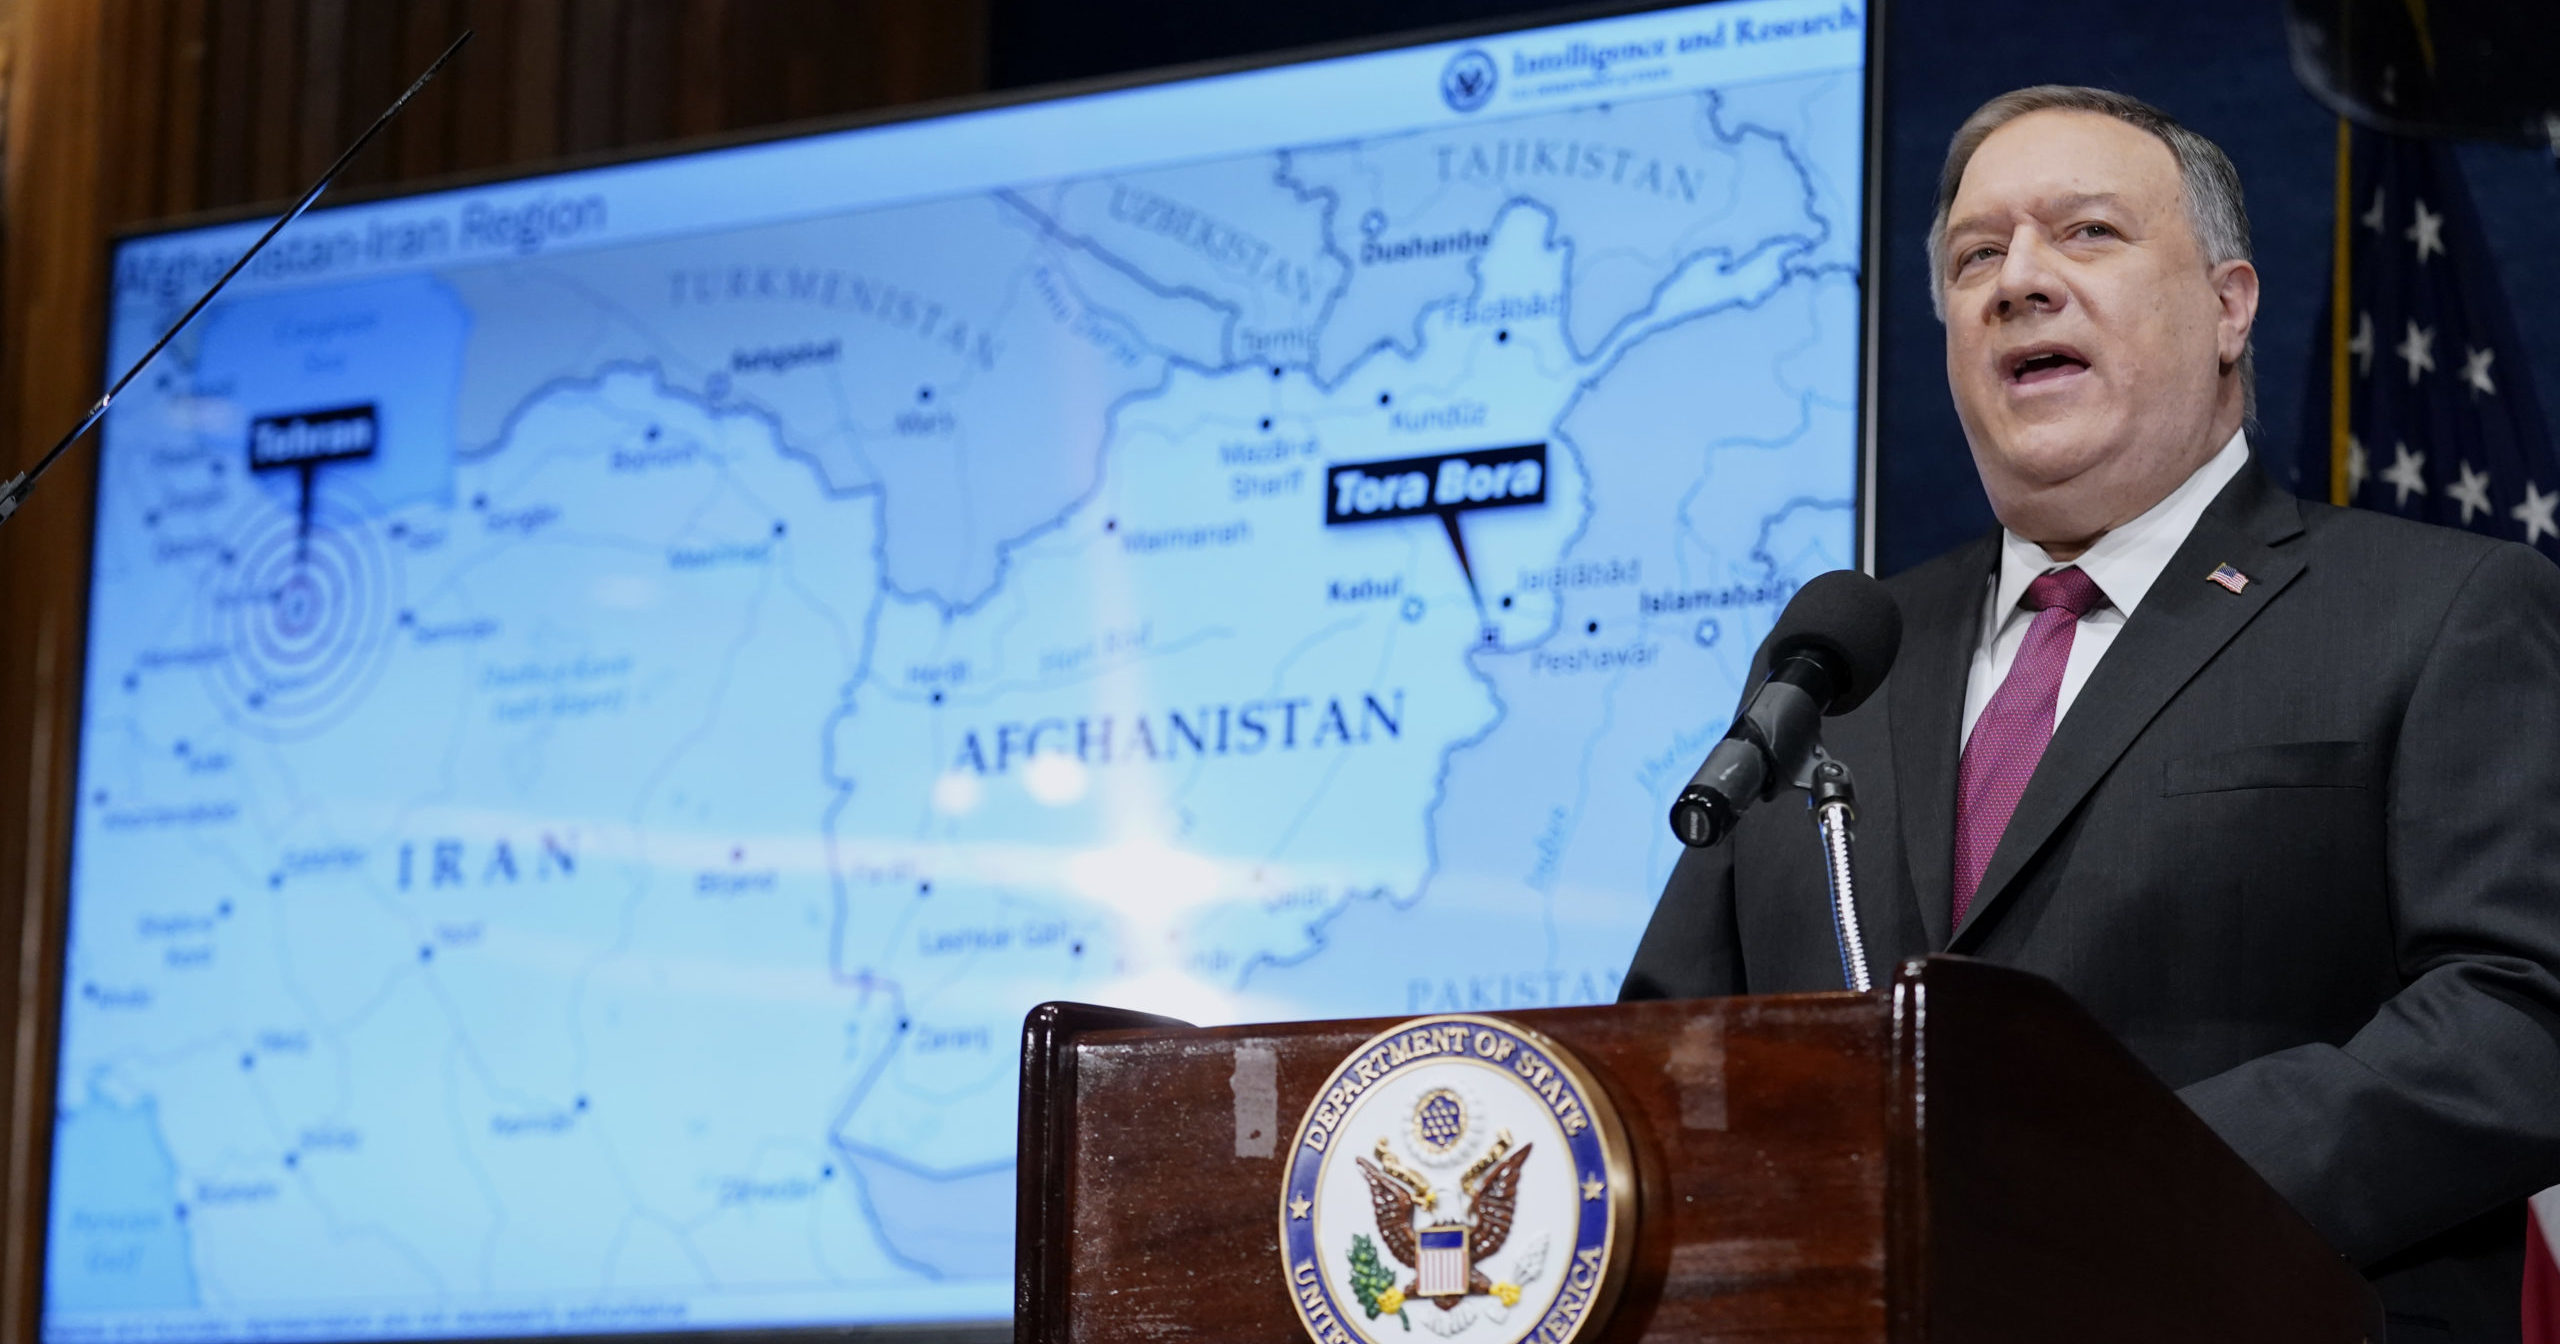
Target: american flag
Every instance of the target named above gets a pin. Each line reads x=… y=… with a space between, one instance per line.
x=2425 y=394
x=2428 y=402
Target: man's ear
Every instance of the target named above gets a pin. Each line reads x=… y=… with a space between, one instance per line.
x=2235 y=284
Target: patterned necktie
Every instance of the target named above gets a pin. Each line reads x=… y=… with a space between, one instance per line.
x=2009 y=738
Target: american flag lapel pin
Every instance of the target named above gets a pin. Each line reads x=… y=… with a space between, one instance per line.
x=2228 y=577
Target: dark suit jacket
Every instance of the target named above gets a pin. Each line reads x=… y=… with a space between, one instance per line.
x=2299 y=847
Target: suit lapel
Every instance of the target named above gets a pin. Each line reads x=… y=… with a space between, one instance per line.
x=1926 y=697
x=2182 y=623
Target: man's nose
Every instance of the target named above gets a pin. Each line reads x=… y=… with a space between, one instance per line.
x=2028 y=281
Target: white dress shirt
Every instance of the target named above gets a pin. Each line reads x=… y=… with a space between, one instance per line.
x=2124 y=563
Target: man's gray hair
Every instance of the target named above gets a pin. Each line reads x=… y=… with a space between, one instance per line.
x=2214 y=206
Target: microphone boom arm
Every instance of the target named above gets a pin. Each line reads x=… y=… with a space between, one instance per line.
x=16 y=488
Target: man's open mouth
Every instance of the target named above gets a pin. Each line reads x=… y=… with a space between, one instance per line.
x=2043 y=363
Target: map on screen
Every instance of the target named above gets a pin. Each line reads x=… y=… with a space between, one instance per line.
x=610 y=695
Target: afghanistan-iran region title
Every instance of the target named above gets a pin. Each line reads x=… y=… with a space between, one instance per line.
x=1460 y=1174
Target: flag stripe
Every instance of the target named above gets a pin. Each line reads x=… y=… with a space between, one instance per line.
x=2542 y=1269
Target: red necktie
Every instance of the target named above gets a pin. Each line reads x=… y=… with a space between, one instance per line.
x=2009 y=738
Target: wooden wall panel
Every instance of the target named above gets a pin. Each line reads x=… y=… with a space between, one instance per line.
x=122 y=111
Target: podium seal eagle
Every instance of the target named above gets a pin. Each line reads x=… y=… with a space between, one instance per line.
x=1457 y=1178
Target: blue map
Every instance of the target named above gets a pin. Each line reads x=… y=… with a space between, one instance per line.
x=591 y=752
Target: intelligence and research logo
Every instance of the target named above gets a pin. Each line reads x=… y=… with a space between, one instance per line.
x=1463 y=1176
x=1466 y=82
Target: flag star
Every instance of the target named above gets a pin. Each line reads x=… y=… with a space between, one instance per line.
x=2535 y=513
x=2372 y=219
x=2419 y=349
x=2427 y=233
x=2407 y=473
x=1298 y=1208
x=2361 y=346
x=2358 y=470
x=2475 y=370
x=2472 y=492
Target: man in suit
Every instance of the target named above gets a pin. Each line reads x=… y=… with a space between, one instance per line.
x=2272 y=788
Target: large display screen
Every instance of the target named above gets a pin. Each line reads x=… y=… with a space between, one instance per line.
x=609 y=694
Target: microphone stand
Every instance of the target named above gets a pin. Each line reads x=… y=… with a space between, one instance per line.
x=16 y=488
x=1833 y=795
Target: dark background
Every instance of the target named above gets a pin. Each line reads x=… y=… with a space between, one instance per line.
x=2218 y=65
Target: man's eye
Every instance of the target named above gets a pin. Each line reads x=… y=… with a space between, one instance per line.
x=1979 y=254
x=2097 y=231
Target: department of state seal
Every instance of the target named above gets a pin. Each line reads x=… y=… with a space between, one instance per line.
x=1462 y=1175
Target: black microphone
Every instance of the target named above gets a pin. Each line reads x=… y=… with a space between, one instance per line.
x=1830 y=650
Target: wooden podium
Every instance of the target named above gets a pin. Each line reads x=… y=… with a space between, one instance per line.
x=1966 y=1156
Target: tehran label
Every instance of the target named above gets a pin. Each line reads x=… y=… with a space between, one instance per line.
x=1461 y=1174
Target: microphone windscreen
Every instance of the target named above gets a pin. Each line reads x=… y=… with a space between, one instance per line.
x=1849 y=617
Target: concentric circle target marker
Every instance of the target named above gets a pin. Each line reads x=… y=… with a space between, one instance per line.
x=304 y=609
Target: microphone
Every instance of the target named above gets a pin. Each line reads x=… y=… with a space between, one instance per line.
x=1831 y=649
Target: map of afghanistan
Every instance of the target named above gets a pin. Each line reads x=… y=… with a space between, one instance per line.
x=640 y=726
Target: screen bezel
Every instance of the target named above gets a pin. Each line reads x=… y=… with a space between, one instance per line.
x=47 y=1003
